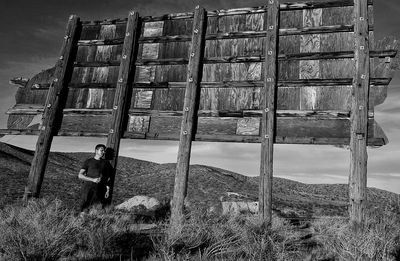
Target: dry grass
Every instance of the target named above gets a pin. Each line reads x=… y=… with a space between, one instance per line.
x=206 y=237
x=37 y=231
x=45 y=230
x=378 y=238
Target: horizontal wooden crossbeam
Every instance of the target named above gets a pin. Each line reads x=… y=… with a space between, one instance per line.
x=260 y=58
x=224 y=84
x=230 y=35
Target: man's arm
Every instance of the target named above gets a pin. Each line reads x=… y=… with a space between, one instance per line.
x=110 y=173
x=82 y=176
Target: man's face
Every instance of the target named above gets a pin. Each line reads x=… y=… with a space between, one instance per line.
x=100 y=152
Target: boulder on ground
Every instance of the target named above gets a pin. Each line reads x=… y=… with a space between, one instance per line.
x=147 y=202
x=145 y=207
x=234 y=204
x=239 y=207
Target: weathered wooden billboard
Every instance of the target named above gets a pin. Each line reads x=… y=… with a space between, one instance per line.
x=309 y=54
x=316 y=69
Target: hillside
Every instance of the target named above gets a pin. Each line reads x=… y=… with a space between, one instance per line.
x=206 y=184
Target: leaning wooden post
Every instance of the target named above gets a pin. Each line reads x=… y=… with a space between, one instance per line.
x=122 y=98
x=192 y=93
x=54 y=106
x=268 y=117
x=359 y=115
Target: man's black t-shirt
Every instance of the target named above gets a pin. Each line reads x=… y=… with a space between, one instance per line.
x=98 y=169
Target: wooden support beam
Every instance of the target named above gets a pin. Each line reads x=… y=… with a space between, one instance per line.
x=359 y=115
x=189 y=119
x=268 y=106
x=56 y=99
x=123 y=90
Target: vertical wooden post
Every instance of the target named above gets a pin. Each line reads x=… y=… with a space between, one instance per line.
x=54 y=106
x=190 y=107
x=359 y=115
x=122 y=97
x=268 y=107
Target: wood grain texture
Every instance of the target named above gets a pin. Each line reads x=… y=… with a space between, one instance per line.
x=310 y=43
x=25 y=121
x=248 y=126
x=122 y=96
x=189 y=120
x=153 y=29
x=55 y=103
x=88 y=123
x=268 y=105
x=359 y=116
x=138 y=124
x=143 y=98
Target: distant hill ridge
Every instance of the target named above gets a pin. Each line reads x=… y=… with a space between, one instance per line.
x=206 y=184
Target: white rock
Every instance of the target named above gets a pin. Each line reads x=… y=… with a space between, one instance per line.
x=148 y=202
x=237 y=207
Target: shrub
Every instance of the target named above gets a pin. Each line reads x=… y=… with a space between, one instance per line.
x=378 y=238
x=205 y=237
x=41 y=230
x=45 y=230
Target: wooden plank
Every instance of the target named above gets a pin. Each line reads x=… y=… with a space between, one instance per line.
x=255 y=10
x=138 y=124
x=268 y=106
x=307 y=125
x=122 y=93
x=54 y=106
x=318 y=4
x=226 y=84
x=105 y=22
x=281 y=57
x=288 y=125
x=188 y=125
x=100 y=42
x=325 y=29
x=375 y=142
x=359 y=116
x=86 y=123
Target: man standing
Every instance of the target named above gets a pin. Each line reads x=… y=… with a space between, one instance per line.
x=96 y=174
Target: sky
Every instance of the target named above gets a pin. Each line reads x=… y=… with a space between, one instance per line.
x=31 y=34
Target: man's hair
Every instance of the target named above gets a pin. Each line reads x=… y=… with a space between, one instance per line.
x=98 y=146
